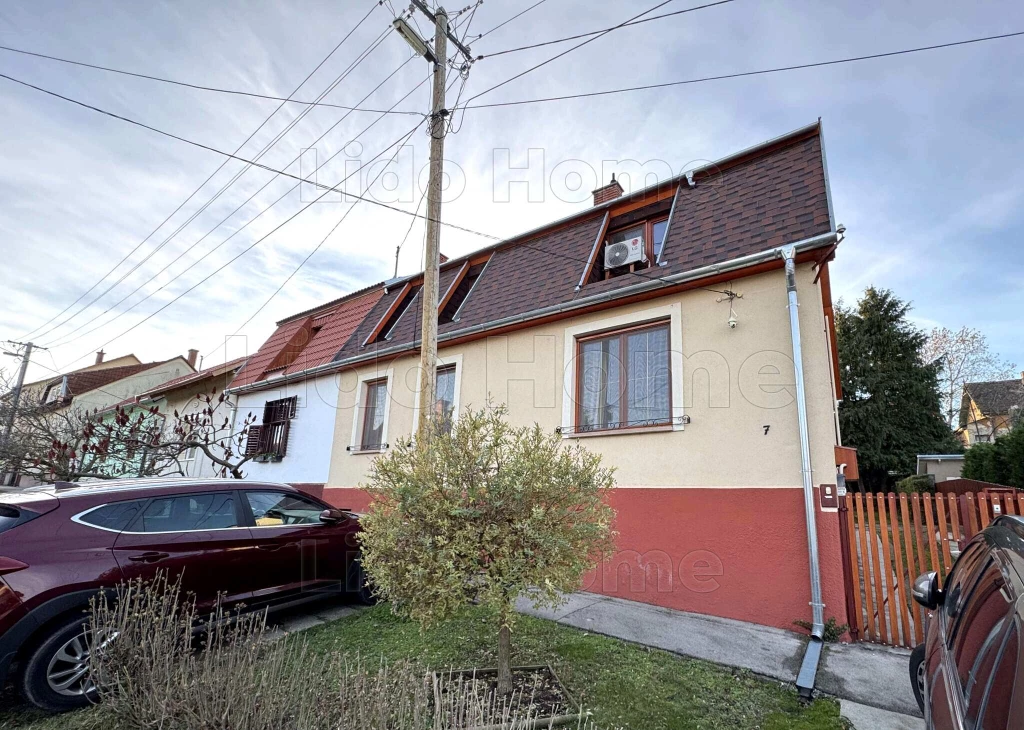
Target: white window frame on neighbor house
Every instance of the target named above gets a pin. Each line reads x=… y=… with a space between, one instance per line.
x=444 y=362
x=188 y=460
x=674 y=314
x=359 y=410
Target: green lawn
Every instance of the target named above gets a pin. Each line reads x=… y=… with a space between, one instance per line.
x=623 y=684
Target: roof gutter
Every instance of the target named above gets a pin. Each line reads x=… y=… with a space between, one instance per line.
x=771 y=254
x=809 y=666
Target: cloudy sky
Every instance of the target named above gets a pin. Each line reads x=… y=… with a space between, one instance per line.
x=923 y=151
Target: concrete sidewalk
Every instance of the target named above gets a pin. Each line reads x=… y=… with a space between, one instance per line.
x=874 y=677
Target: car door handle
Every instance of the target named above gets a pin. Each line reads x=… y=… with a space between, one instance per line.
x=151 y=557
x=270 y=546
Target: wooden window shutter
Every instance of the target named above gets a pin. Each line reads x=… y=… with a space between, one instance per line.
x=253 y=440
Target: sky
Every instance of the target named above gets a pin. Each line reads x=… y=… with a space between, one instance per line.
x=923 y=152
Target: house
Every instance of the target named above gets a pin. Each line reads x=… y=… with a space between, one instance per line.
x=182 y=395
x=100 y=386
x=290 y=387
x=98 y=389
x=941 y=466
x=988 y=410
x=655 y=329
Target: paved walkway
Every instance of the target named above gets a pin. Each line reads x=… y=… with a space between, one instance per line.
x=872 y=682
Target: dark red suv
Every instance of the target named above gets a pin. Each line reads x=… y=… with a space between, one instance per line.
x=257 y=544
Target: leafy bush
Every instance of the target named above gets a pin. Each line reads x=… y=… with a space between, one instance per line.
x=999 y=462
x=152 y=672
x=916 y=484
x=484 y=514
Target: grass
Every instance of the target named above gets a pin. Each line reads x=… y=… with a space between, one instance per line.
x=622 y=684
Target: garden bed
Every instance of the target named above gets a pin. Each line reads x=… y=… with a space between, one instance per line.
x=620 y=684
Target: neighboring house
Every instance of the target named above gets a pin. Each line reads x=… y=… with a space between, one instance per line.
x=940 y=466
x=181 y=395
x=654 y=329
x=291 y=388
x=988 y=410
x=104 y=384
x=100 y=389
x=177 y=395
x=35 y=391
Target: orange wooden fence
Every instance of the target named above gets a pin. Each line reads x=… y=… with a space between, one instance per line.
x=892 y=539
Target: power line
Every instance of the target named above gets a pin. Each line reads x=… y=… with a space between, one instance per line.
x=255 y=243
x=240 y=229
x=228 y=154
x=598 y=32
x=239 y=207
x=760 y=72
x=517 y=15
x=211 y=176
x=195 y=214
x=324 y=239
x=200 y=87
x=566 y=52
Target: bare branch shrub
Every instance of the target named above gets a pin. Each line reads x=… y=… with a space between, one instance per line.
x=153 y=670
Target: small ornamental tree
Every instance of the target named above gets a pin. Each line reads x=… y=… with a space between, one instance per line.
x=484 y=514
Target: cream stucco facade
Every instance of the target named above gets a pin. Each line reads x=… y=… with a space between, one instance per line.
x=733 y=386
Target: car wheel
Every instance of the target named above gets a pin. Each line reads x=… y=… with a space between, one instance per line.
x=56 y=675
x=917 y=669
x=359 y=585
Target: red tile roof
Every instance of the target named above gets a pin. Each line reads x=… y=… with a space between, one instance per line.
x=297 y=345
x=79 y=383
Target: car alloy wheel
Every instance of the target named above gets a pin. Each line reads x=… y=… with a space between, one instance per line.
x=68 y=672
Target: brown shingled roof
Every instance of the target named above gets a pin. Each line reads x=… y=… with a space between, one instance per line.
x=752 y=202
x=776 y=195
x=993 y=398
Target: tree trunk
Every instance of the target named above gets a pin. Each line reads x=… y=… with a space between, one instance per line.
x=504 y=661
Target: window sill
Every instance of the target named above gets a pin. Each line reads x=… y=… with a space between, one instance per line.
x=357 y=450
x=623 y=431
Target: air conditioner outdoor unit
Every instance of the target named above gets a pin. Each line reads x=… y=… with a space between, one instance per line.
x=624 y=252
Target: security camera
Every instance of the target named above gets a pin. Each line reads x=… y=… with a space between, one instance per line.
x=733 y=322
x=841 y=229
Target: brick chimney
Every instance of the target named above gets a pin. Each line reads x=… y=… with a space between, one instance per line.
x=611 y=191
x=193 y=355
x=99 y=357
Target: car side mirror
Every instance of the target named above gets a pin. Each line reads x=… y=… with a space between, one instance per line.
x=332 y=516
x=927 y=592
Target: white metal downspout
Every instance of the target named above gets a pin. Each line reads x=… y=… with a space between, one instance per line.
x=809 y=667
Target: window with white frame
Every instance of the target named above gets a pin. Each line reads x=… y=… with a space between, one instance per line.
x=444 y=405
x=375 y=405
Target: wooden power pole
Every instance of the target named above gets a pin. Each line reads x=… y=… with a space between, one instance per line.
x=438 y=55
x=432 y=258
x=15 y=399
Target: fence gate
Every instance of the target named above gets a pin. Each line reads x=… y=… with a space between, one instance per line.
x=890 y=539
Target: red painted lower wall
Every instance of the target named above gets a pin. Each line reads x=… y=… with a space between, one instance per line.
x=736 y=553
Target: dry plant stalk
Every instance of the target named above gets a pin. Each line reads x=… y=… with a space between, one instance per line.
x=154 y=670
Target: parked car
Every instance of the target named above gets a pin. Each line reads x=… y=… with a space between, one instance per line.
x=967 y=673
x=254 y=544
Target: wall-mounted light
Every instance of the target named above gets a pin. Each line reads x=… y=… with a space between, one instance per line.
x=730 y=296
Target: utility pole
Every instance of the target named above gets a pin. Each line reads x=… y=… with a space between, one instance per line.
x=432 y=262
x=15 y=398
x=438 y=55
